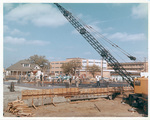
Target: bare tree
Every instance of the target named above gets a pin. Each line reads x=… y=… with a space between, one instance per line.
x=93 y=69
x=71 y=67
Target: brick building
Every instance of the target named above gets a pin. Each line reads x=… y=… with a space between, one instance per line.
x=56 y=65
x=135 y=66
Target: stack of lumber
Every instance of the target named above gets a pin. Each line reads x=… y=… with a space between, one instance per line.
x=19 y=108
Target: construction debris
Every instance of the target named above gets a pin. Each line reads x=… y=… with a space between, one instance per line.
x=76 y=102
x=19 y=108
x=34 y=106
x=132 y=110
x=97 y=108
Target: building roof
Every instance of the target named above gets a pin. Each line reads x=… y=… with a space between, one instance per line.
x=75 y=58
x=19 y=66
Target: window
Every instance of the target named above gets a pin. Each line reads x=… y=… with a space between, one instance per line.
x=52 y=72
x=52 y=63
x=56 y=71
x=26 y=65
x=57 y=67
x=56 y=63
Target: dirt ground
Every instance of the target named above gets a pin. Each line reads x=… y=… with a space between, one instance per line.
x=101 y=107
x=105 y=108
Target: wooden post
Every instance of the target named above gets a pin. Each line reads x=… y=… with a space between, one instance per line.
x=12 y=87
x=42 y=97
x=32 y=97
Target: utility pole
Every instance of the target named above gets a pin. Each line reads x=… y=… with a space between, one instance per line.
x=144 y=64
x=102 y=69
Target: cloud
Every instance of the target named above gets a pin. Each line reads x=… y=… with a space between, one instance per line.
x=23 y=41
x=15 y=40
x=37 y=42
x=9 y=49
x=15 y=31
x=6 y=29
x=140 y=53
x=140 y=11
x=37 y=14
x=75 y=32
x=8 y=6
x=94 y=28
x=127 y=37
x=91 y=27
x=18 y=33
x=80 y=15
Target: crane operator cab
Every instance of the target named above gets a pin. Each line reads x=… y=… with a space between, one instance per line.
x=140 y=96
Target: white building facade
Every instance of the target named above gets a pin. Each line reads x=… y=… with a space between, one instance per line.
x=90 y=62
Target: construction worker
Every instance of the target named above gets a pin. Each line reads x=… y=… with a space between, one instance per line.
x=49 y=78
x=70 y=80
x=19 y=78
x=98 y=82
x=67 y=82
x=77 y=81
x=41 y=76
x=28 y=77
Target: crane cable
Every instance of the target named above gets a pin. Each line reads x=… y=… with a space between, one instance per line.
x=103 y=37
x=96 y=37
x=113 y=51
x=106 y=39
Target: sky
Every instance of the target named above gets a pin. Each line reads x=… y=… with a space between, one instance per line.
x=41 y=29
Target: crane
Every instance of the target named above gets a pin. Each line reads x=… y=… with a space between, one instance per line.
x=112 y=61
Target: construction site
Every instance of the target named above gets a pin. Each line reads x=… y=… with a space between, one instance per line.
x=74 y=95
x=52 y=99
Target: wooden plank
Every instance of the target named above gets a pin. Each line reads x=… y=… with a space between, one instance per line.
x=27 y=94
x=34 y=106
x=76 y=102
